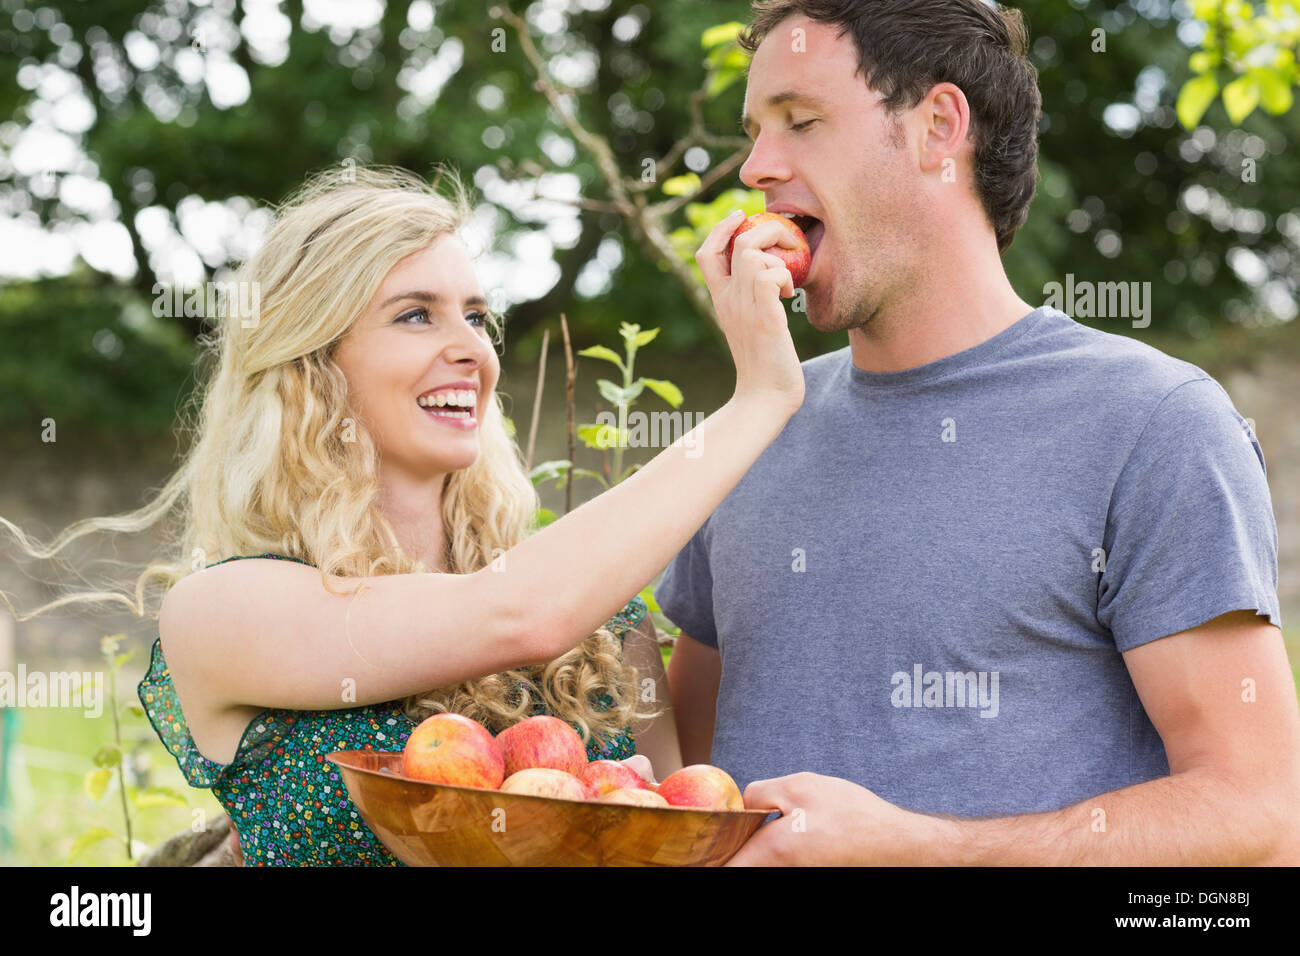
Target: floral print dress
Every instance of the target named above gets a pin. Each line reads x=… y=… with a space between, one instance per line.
x=287 y=802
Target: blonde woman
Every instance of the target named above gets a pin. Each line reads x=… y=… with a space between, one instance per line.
x=355 y=551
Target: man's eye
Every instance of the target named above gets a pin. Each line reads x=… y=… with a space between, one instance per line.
x=800 y=127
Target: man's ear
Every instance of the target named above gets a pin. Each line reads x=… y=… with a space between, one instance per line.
x=943 y=118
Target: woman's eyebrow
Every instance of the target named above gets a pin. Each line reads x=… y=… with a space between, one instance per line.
x=431 y=298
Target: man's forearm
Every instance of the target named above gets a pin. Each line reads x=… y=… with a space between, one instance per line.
x=1193 y=818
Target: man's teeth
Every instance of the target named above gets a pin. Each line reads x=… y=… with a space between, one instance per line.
x=463 y=399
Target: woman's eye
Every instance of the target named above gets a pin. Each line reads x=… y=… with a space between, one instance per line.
x=477 y=319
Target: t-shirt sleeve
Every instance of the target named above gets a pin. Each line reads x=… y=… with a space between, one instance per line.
x=1190 y=534
x=685 y=593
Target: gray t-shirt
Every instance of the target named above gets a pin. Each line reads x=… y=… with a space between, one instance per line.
x=925 y=583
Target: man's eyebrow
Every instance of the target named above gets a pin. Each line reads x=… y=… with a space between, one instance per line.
x=430 y=298
x=776 y=99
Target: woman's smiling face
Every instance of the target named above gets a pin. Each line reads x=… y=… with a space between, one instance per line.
x=424 y=330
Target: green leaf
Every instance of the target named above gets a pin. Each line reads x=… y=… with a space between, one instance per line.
x=1201 y=61
x=549 y=470
x=544 y=516
x=89 y=839
x=645 y=338
x=134 y=709
x=609 y=391
x=1240 y=97
x=599 y=436
x=685 y=185
x=96 y=783
x=648 y=595
x=1195 y=98
x=122 y=659
x=593 y=435
x=588 y=473
x=669 y=392
x=600 y=352
x=1275 y=93
x=159 y=797
x=108 y=755
x=722 y=33
x=721 y=80
x=616 y=394
x=510 y=425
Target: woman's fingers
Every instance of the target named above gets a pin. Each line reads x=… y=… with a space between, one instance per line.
x=641 y=764
x=711 y=257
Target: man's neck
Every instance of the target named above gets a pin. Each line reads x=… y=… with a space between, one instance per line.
x=961 y=300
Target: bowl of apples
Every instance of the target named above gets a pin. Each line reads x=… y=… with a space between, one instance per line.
x=457 y=796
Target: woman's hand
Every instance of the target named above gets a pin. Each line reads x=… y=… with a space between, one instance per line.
x=641 y=764
x=747 y=297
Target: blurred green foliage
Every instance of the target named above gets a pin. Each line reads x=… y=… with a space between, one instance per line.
x=1126 y=194
x=1248 y=53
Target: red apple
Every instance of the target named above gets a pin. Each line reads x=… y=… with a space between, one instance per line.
x=452 y=749
x=542 y=742
x=636 y=796
x=602 y=776
x=798 y=260
x=546 y=782
x=702 y=785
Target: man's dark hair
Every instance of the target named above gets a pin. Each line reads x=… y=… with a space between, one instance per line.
x=905 y=47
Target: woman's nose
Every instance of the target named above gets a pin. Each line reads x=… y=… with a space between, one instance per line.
x=469 y=347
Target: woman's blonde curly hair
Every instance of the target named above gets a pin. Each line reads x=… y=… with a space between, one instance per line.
x=280 y=463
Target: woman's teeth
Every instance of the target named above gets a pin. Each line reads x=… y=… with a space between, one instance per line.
x=449 y=404
x=463 y=399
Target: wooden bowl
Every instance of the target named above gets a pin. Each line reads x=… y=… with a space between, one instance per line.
x=430 y=824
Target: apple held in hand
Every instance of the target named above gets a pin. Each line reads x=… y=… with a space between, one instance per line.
x=542 y=742
x=546 y=782
x=702 y=785
x=635 y=796
x=798 y=260
x=604 y=776
x=453 y=749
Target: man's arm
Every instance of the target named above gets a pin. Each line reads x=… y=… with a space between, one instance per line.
x=1223 y=699
x=694 y=673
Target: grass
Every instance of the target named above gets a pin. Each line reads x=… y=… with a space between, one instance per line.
x=50 y=805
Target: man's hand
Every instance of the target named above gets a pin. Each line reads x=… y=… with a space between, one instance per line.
x=826 y=821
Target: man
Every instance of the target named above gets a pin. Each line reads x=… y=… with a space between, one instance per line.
x=1005 y=586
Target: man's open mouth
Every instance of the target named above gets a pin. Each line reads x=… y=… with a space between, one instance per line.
x=814 y=229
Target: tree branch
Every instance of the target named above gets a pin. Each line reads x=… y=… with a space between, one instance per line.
x=647 y=224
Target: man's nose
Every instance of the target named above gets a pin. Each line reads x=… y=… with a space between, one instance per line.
x=765 y=166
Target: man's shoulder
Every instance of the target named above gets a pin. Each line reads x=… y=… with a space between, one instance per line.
x=1126 y=380
x=1070 y=354
x=1117 y=364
